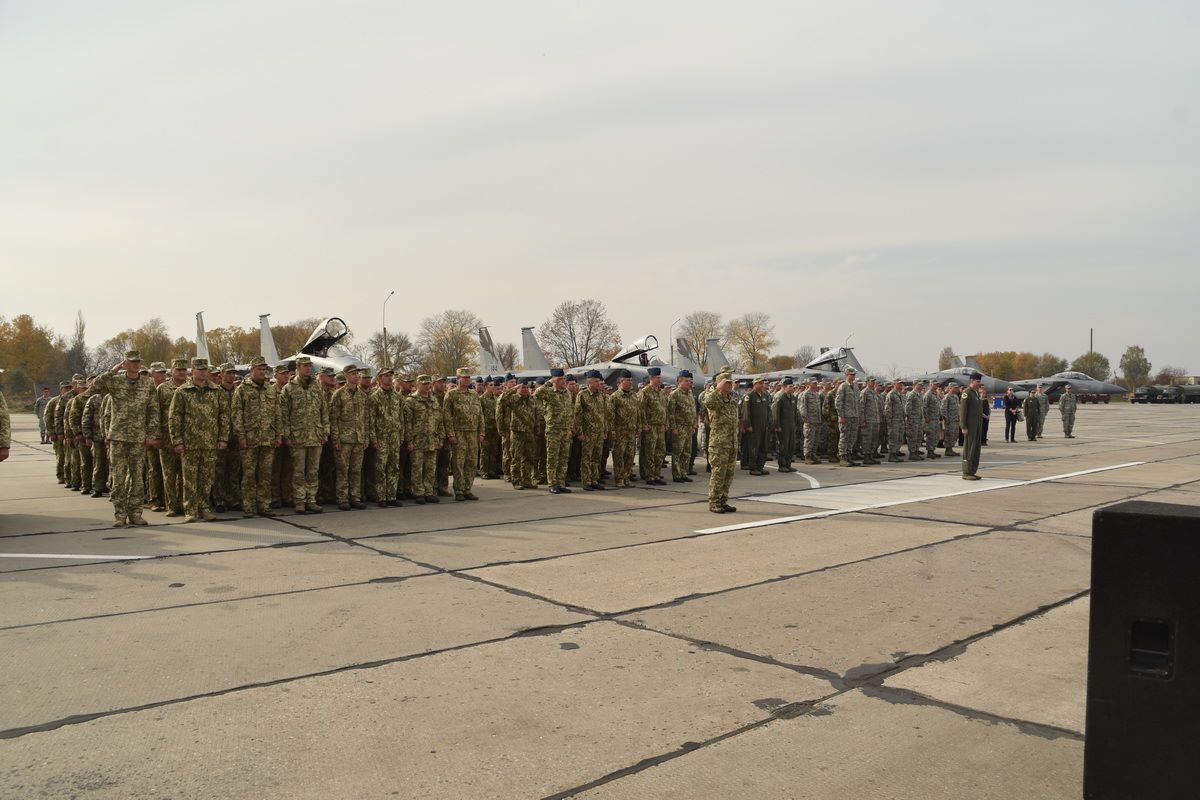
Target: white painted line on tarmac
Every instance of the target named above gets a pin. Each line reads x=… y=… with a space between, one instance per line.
x=813 y=483
x=64 y=555
x=1111 y=439
x=762 y=523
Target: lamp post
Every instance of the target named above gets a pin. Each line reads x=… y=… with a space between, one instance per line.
x=671 y=336
x=387 y=357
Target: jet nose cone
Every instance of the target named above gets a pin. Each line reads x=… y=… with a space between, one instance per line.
x=1112 y=388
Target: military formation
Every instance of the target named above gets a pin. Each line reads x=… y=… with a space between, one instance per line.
x=194 y=441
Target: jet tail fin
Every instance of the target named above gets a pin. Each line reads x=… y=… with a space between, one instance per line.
x=489 y=364
x=266 y=340
x=201 y=338
x=956 y=361
x=684 y=358
x=531 y=351
x=973 y=363
x=713 y=355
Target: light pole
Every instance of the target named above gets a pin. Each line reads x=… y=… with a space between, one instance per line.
x=671 y=336
x=387 y=358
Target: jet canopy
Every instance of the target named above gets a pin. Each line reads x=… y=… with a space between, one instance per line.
x=325 y=336
x=638 y=350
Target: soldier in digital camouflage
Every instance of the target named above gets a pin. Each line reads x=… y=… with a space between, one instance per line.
x=199 y=430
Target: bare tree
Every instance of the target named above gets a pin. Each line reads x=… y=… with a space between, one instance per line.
x=508 y=355
x=578 y=333
x=447 y=341
x=401 y=354
x=752 y=337
x=696 y=329
x=804 y=354
x=1170 y=375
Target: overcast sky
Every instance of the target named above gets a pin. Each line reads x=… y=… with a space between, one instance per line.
x=981 y=175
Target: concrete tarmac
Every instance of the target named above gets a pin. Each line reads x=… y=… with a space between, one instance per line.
x=887 y=631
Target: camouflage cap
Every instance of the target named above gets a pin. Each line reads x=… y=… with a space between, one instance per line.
x=258 y=361
x=324 y=370
x=143 y=371
x=365 y=372
x=281 y=369
x=133 y=355
x=77 y=378
x=850 y=371
x=462 y=372
x=386 y=371
x=226 y=367
x=199 y=363
x=405 y=377
x=179 y=363
x=303 y=360
x=158 y=366
x=346 y=370
x=724 y=376
x=424 y=379
x=64 y=384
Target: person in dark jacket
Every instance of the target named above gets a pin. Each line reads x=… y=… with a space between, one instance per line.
x=1011 y=406
x=987 y=414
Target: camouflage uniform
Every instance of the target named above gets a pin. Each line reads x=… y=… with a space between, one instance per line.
x=914 y=413
x=405 y=488
x=950 y=421
x=327 y=461
x=1067 y=403
x=304 y=422
x=444 y=455
x=626 y=425
x=932 y=414
x=871 y=412
x=135 y=419
x=255 y=423
x=503 y=411
x=39 y=408
x=426 y=428
x=681 y=419
x=489 y=458
x=281 y=469
x=91 y=425
x=55 y=436
x=464 y=421
x=199 y=420
x=5 y=425
x=557 y=412
x=722 y=444
x=846 y=401
x=387 y=435
x=893 y=409
x=592 y=421
x=168 y=458
x=809 y=409
x=832 y=429
x=348 y=427
x=1043 y=411
x=522 y=414
x=81 y=465
x=653 y=406
x=227 y=469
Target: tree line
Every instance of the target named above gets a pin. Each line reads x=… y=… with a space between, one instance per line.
x=1135 y=368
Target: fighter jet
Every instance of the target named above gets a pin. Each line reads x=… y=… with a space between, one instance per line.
x=322 y=346
x=1083 y=385
x=829 y=365
x=960 y=374
x=635 y=357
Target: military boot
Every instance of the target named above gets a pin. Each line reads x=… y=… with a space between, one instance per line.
x=207 y=515
x=136 y=519
x=119 y=521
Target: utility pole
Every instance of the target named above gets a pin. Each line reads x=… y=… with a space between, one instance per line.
x=387 y=357
x=1091 y=339
x=671 y=336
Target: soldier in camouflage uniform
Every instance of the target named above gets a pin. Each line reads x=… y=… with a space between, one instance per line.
x=327 y=464
x=55 y=433
x=830 y=416
x=893 y=409
x=281 y=467
x=227 y=469
x=39 y=408
x=255 y=422
x=914 y=414
x=932 y=410
x=846 y=400
x=539 y=436
x=1068 y=402
x=591 y=422
x=722 y=445
x=522 y=415
x=653 y=405
x=445 y=455
x=808 y=408
x=870 y=406
x=304 y=423
x=349 y=422
x=504 y=402
x=950 y=402
x=5 y=428
x=464 y=425
x=366 y=385
x=387 y=434
x=575 y=449
x=81 y=464
x=1043 y=409
x=154 y=473
x=426 y=428
x=168 y=458
x=91 y=426
x=489 y=457
x=626 y=426
x=199 y=432
x=404 y=388
x=557 y=413
x=135 y=425
x=682 y=421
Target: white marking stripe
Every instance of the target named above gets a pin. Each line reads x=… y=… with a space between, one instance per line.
x=64 y=555
x=990 y=487
x=1110 y=439
x=813 y=483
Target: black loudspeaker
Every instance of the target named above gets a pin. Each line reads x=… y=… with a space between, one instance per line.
x=1143 y=694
